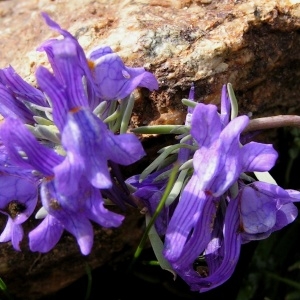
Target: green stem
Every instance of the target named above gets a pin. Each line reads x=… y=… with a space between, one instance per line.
x=159 y=208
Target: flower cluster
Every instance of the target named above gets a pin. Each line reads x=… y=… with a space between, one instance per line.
x=218 y=206
x=55 y=146
x=61 y=145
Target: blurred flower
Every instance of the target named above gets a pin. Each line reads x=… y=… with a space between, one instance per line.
x=11 y=107
x=22 y=90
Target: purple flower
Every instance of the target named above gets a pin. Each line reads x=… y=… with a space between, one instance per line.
x=116 y=81
x=85 y=138
x=71 y=212
x=149 y=193
x=17 y=96
x=11 y=107
x=106 y=75
x=18 y=198
x=89 y=145
x=57 y=55
x=22 y=90
x=258 y=210
x=218 y=164
x=65 y=84
x=265 y=208
x=73 y=182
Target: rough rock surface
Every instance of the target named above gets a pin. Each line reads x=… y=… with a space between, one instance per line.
x=254 y=44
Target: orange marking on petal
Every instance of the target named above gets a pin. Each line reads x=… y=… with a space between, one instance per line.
x=49 y=178
x=75 y=109
x=91 y=64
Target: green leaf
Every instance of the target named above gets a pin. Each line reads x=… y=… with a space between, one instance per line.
x=158 y=246
x=233 y=101
x=176 y=189
x=189 y=103
x=127 y=114
x=265 y=177
x=3 y=288
x=159 y=208
x=42 y=121
x=161 y=157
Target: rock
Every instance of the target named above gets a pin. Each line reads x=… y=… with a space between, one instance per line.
x=253 y=44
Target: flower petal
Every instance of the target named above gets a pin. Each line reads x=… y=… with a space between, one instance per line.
x=258 y=157
x=99 y=52
x=17 y=236
x=69 y=173
x=258 y=211
x=20 y=88
x=12 y=232
x=230 y=166
x=84 y=141
x=125 y=149
x=82 y=230
x=46 y=235
x=68 y=72
x=56 y=93
x=206 y=124
x=116 y=81
x=21 y=139
x=184 y=220
x=11 y=107
x=206 y=163
x=96 y=211
x=80 y=60
x=232 y=246
x=6 y=234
